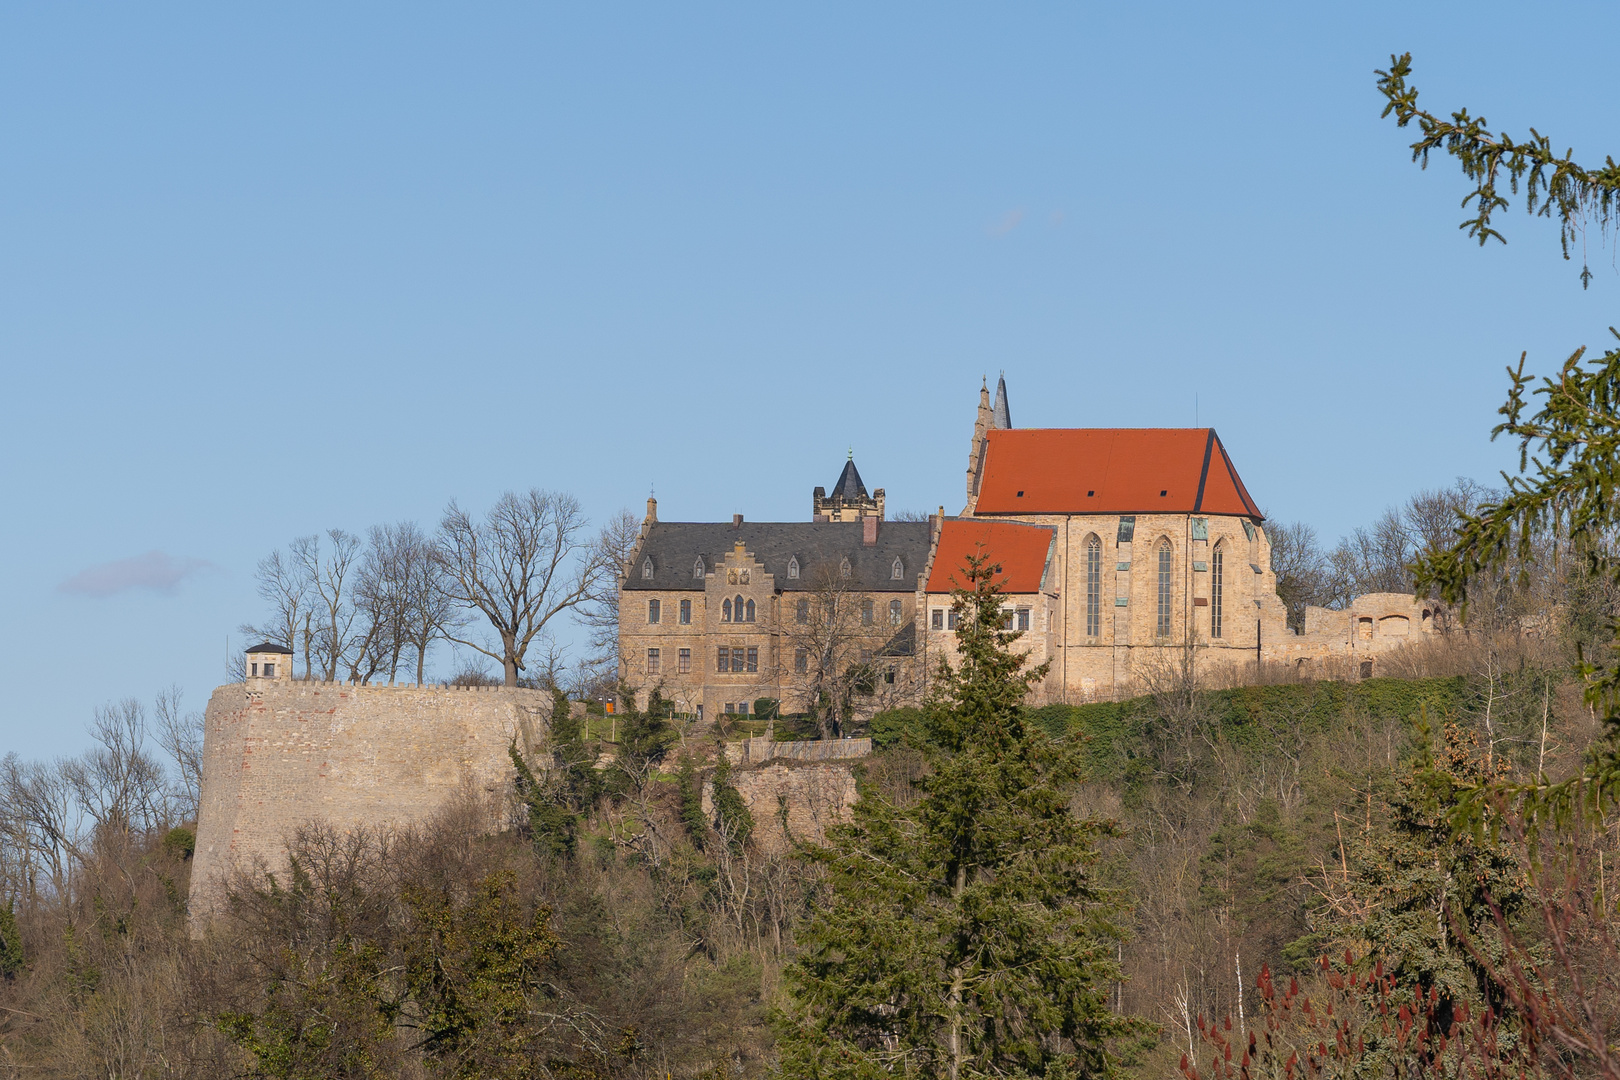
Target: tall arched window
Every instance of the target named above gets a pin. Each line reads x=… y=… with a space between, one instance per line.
x=697 y=569
x=725 y=611
x=1165 y=575
x=1093 y=587
x=793 y=568
x=1217 y=587
x=750 y=612
x=737 y=609
x=647 y=569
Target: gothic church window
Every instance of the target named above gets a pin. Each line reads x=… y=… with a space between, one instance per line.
x=1217 y=589
x=1162 y=627
x=750 y=617
x=647 y=569
x=725 y=611
x=1093 y=586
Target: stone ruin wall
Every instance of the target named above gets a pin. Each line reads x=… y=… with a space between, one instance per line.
x=278 y=754
x=793 y=800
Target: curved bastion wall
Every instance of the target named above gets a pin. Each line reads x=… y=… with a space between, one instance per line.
x=279 y=753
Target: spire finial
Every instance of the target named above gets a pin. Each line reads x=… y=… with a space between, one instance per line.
x=851 y=453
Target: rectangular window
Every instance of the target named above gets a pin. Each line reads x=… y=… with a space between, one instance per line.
x=686 y=612
x=731 y=708
x=683 y=661
x=1023 y=618
x=256 y=671
x=801 y=660
x=950 y=619
x=866 y=613
x=742 y=708
x=1217 y=586
x=1093 y=587
x=753 y=659
x=722 y=661
x=653 y=608
x=804 y=611
x=654 y=665
x=888 y=675
x=269 y=671
x=894 y=612
x=937 y=620
x=736 y=660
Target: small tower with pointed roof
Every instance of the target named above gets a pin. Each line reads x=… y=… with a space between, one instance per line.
x=995 y=417
x=849 y=500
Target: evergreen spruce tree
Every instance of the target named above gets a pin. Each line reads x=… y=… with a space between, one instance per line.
x=963 y=935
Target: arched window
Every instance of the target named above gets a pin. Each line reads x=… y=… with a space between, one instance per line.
x=750 y=612
x=898 y=570
x=725 y=611
x=737 y=609
x=647 y=569
x=1165 y=575
x=697 y=568
x=1093 y=587
x=793 y=568
x=894 y=612
x=1217 y=589
x=866 y=613
x=843 y=568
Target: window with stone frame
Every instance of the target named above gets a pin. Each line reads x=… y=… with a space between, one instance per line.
x=867 y=610
x=647 y=569
x=722 y=663
x=897 y=572
x=1217 y=589
x=793 y=568
x=750 y=617
x=1166 y=581
x=654 y=611
x=737 y=610
x=683 y=661
x=753 y=659
x=738 y=659
x=802 y=610
x=896 y=610
x=950 y=619
x=937 y=619
x=844 y=569
x=686 y=612
x=654 y=665
x=697 y=569
x=1093 y=586
x=1023 y=618
x=801 y=660
x=725 y=611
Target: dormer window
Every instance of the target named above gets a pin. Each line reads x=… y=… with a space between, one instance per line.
x=647 y=569
x=793 y=568
x=898 y=570
x=844 y=568
x=697 y=568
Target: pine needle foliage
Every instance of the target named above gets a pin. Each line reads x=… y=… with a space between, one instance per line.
x=964 y=935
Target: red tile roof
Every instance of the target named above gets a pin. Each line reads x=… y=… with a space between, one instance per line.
x=1110 y=471
x=1019 y=549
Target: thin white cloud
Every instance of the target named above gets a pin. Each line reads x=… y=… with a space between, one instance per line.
x=156 y=570
x=1008 y=222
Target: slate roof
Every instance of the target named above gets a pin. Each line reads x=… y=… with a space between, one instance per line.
x=1110 y=471
x=1002 y=416
x=268 y=647
x=1020 y=550
x=820 y=546
x=849 y=482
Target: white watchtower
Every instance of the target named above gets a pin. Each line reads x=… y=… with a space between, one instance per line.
x=267 y=661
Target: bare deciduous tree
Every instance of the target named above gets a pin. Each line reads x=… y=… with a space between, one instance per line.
x=841 y=636
x=284 y=585
x=329 y=573
x=526 y=562
x=615 y=544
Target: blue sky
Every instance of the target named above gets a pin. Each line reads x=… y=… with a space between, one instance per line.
x=269 y=270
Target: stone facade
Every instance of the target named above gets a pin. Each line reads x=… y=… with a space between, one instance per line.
x=278 y=753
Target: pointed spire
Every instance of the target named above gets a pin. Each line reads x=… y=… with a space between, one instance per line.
x=1003 y=418
x=849 y=485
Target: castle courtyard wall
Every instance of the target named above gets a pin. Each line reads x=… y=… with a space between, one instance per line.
x=278 y=754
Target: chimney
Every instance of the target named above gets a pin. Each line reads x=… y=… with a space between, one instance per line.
x=736 y=521
x=869 y=530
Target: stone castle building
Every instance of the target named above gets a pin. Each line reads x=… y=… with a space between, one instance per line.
x=1125 y=551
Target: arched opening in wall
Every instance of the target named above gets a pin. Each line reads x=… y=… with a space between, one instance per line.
x=1093 y=586
x=725 y=611
x=1394 y=626
x=1428 y=619
x=1166 y=580
x=1366 y=669
x=750 y=617
x=1364 y=628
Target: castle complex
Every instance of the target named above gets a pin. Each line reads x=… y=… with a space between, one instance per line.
x=1123 y=551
